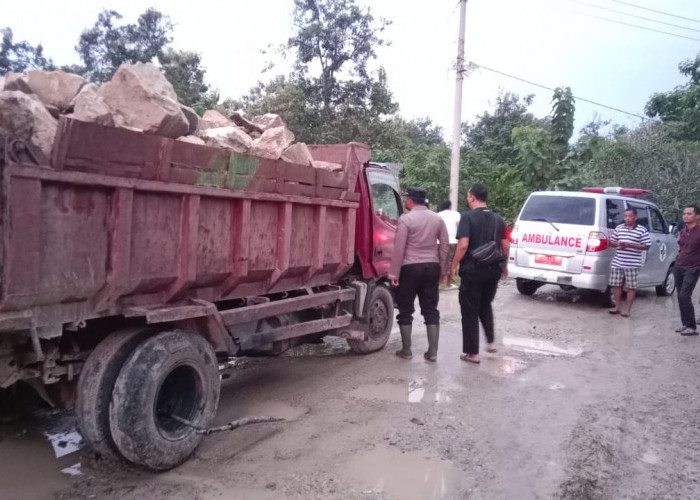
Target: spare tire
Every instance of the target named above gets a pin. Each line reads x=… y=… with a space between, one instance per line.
x=172 y=373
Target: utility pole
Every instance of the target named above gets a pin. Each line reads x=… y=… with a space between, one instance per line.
x=457 y=123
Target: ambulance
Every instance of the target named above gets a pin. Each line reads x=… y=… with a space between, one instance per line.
x=563 y=238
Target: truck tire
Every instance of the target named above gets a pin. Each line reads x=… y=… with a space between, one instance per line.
x=668 y=286
x=527 y=287
x=174 y=372
x=381 y=319
x=96 y=384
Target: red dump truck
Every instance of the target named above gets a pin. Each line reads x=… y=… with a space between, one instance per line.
x=132 y=266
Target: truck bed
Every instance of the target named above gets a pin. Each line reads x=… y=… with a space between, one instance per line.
x=121 y=220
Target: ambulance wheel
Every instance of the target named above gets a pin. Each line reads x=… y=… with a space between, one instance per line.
x=668 y=286
x=527 y=287
x=174 y=373
x=95 y=386
x=381 y=319
x=606 y=298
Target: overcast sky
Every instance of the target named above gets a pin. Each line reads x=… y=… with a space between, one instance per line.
x=548 y=42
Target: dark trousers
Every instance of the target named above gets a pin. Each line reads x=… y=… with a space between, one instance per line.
x=686 y=278
x=476 y=292
x=422 y=280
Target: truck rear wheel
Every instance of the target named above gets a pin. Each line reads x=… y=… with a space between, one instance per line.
x=381 y=319
x=96 y=384
x=173 y=373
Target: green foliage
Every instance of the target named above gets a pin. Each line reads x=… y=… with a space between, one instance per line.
x=105 y=46
x=680 y=108
x=21 y=56
x=331 y=96
x=562 y=126
x=428 y=166
x=184 y=71
x=536 y=156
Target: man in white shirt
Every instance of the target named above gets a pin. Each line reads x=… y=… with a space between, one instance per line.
x=451 y=218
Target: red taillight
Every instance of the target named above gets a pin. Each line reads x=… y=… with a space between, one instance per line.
x=380 y=237
x=512 y=235
x=597 y=242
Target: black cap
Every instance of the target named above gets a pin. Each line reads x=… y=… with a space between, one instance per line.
x=417 y=194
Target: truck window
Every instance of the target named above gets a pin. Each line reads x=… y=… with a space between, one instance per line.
x=615 y=213
x=559 y=209
x=657 y=222
x=385 y=196
x=642 y=214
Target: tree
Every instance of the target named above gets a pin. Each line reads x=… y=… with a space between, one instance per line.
x=21 y=56
x=536 y=156
x=680 y=108
x=184 y=71
x=337 y=37
x=562 y=127
x=105 y=46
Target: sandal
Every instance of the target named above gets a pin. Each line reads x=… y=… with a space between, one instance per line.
x=465 y=357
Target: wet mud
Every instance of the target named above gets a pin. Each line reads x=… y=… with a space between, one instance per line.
x=575 y=404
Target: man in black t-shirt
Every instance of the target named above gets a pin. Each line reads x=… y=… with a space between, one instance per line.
x=479 y=282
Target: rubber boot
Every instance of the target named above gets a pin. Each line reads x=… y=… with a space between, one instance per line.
x=405 y=351
x=433 y=336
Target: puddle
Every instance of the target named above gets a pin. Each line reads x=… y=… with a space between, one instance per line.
x=331 y=346
x=537 y=346
x=36 y=464
x=414 y=391
x=408 y=476
x=502 y=365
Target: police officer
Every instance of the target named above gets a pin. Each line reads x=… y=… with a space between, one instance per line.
x=419 y=263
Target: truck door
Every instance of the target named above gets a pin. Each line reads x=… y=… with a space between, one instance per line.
x=386 y=209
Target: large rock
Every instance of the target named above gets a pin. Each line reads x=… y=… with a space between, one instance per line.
x=192 y=139
x=272 y=143
x=17 y=81
x=326 y=165
x=213 y=119
x=88 y=106
x=232 y=138
x=55 y=88
x=140 y=97
x=24 y=116
x=192 y=118
x=268 y=120
x=298 y=153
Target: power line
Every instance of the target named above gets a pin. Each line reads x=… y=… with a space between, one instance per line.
x=640 y=27
x=656 y=11
x=473 y=64
x=635 y=16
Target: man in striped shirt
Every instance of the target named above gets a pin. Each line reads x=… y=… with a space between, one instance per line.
x=630 y=239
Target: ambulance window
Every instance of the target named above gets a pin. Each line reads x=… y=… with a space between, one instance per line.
x=642 y=214
x=657 y=222
x=559 y=209
x=615 y=213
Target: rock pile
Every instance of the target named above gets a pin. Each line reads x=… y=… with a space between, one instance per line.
x=138 y=97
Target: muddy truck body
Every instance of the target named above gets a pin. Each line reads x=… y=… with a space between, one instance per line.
x=134 y=266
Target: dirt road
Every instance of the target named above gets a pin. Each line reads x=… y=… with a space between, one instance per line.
x=575 y=404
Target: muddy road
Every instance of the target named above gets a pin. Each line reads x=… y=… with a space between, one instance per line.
x=575 y=404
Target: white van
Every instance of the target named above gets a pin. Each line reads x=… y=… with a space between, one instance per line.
x=561 y=237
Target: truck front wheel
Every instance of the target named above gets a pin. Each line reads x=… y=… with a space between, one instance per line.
x=173 y=374
x=380 y=321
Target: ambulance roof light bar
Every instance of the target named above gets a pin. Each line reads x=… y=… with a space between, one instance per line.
x=616 y=190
